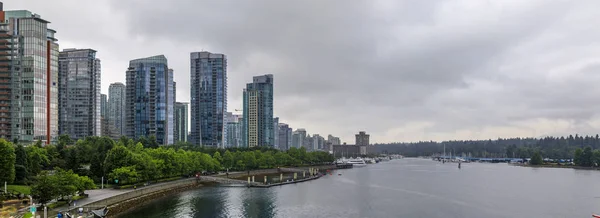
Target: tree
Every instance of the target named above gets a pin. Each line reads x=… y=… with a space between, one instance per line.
x=587 y=157
x=7 y=161
x=66 y=182
x=536 y=159
x=38 y=158
x=577 y=157
x=21 y=172
x=117 y=157
x=228 y=160
x=44 y=189
x=217 y=156
x=64 y=140
x=84 y=183
x=124 y=175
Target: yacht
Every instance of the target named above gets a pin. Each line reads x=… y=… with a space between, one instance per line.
x=357 y=162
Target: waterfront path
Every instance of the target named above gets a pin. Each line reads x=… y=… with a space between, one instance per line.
x=94 y=196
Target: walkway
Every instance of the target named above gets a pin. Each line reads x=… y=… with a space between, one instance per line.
x=95 y=195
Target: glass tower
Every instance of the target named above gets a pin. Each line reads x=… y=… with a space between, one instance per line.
x=258 y=112
x=208 y=98
x=149 y=99
x=181 y=122
x=80 y=101
x=34 y=107
x=116 y=107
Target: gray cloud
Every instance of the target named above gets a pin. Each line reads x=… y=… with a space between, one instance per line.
x=401 y=70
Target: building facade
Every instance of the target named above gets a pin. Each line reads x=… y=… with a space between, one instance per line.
x=181 y=122
x=79 y=97
x=298 y=138
x=333 y=140
x=149 y=99
x=103 y=104
x=34 y=85
x=362 y=138
x=276 y=132
x=234 y=132
x=208 y=98
x=116 y=107
x=11 y=55
x=258 y=112
x=285 y=136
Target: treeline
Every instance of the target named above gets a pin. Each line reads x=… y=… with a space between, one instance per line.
x=549 y=147
x=127 y=161
x=587 y=157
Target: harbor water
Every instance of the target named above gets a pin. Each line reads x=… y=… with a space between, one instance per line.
x=400 y=188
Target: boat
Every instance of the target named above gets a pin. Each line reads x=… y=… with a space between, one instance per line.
x=369 y=161
x=357 y=162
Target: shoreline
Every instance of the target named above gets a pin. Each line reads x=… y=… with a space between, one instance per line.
x=128 y=201
x=557 y=166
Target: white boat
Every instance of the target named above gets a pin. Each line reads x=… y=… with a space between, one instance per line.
x=369 y=161
x=357 y=162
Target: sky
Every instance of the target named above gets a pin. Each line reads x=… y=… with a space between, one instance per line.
x=400 y=70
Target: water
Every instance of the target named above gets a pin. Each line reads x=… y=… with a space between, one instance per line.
x=401 y=188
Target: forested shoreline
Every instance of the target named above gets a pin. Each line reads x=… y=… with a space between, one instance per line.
x=549 y=147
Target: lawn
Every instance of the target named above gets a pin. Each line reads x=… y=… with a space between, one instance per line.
x=19 y=188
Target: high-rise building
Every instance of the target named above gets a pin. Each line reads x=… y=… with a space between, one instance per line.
x=33 y=67
x=276 y=132
x=11 y=54
x=317 y=142
x=149 y=99
x=79 y=99
x=258 y=112
x=181 y=122
x=362 y=138
x=233 y=128
x=116 y=107
x=103 y=104
x=208 y=97
x=298 y=138
x=285 y=136
x=333 y=140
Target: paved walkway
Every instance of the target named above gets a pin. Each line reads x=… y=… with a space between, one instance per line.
x=93 y=196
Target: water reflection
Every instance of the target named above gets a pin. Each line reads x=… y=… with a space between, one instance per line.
x=403 y=188
x=209 y=202
x=259 y=203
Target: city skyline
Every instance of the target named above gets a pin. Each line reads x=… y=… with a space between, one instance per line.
x=439 y=84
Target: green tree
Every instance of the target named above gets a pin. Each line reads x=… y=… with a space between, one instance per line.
x=38 y=158
x=217 y=156
x=7 y=161
x=577 y=157
x=536 y=159
x=45 y=188
x=64 y=140
x=21 y=172
x=124 y=175
x=84 y=183
x=587 y=157
x=228 y=160
x=117 y=157
x=66 y=182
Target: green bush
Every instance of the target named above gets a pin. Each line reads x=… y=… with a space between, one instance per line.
x=57 y=204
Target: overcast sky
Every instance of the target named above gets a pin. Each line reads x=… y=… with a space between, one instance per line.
x=400 y=70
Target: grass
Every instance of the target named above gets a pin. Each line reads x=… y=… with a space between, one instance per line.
x=28 y=215
x=57 y=204
x=78 y=197
x=19 y=188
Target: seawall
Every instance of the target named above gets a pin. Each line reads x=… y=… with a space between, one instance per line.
x=120 y=203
